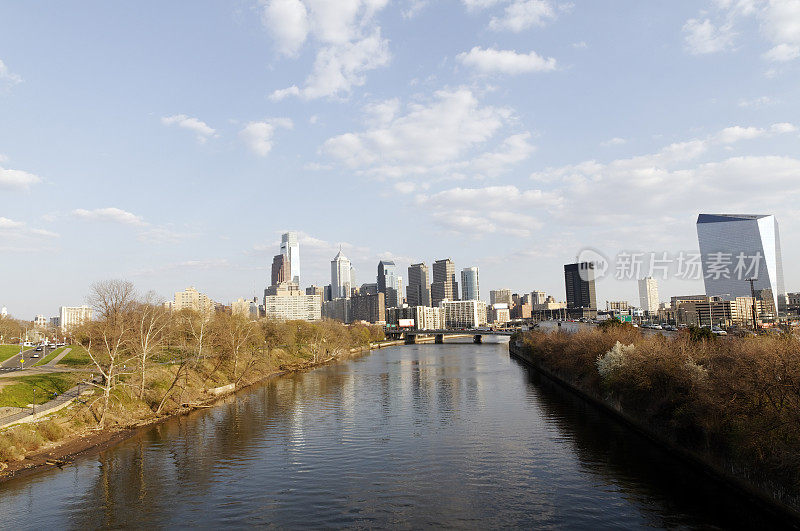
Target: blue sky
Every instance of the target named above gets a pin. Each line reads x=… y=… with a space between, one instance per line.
x=172 y=143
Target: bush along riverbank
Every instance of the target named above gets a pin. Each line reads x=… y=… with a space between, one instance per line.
x=731 y=405
x=148 y=363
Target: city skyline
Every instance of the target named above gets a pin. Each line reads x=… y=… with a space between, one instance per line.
x=474 y=139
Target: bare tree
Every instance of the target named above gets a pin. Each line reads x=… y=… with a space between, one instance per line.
x=105 y=338
x=149 y=320
x=235 y=334
x=195 y=327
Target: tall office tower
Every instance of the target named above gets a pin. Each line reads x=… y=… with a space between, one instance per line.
x=400 y=290
x=444 y=286
x=290 y=248
x=501 y=296
x=538 y=298
x=734 y=248
x=387 y=282
x=470 y=288
x=648 y=295
x=419 y=285
x=579 y=282
x=341 y=281
x=280 y=270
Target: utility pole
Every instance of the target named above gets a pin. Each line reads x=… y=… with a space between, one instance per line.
x=753 y=299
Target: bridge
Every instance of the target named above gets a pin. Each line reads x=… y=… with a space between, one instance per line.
x=410 y=334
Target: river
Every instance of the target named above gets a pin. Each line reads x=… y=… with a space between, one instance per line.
x=420 y=435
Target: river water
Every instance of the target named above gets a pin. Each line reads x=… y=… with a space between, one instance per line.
x=424 y=435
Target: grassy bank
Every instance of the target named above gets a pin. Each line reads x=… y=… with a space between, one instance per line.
x=193 y=355
x=36 y=388
x=47 y=359
x=7 y=351
x=736 y=401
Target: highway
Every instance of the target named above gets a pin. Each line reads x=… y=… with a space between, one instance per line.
x=13 y=364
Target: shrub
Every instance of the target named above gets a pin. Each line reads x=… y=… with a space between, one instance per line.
x=613 y=360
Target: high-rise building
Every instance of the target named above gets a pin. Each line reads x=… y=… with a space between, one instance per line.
x=341 y=280
x=290 y=248
x=400 y=290
x=444 y=286
x=190 y=299
x=245 y=308
x=338 y=309
x=419 y=285
x=387 y=282
x=72 y=316
x=464 y=314
x=470 y=288
x=736 y=247
x=293 y=307
x=501 y=296
x=538 y=298
x=648 y=294
x=370 y=308
x=281 y=271
x=579 y=283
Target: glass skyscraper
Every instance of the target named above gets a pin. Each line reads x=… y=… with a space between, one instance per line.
x=290 y=248
x=470 y=288
x=736 y=247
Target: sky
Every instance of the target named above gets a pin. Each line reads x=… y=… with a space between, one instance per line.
x=171 y=143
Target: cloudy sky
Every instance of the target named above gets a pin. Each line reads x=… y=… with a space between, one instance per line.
x=170 y=143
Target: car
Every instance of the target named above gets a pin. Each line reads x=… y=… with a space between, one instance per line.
x=39 y=348
x=656 y=327
x=719 y=331
x=34 y=355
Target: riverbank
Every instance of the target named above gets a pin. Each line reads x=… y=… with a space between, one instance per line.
x=88 y=442
x=559 y=358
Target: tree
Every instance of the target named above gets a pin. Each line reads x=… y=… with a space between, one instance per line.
x=150 y=320
x=105 y=338
x=233 y=335
x=193 y=327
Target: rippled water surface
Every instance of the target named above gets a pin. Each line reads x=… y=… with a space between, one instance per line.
x=444 y=435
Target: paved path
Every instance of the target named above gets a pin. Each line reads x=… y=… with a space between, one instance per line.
x=43 y=409
x=57 y=358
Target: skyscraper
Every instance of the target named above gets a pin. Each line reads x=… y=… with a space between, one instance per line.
x=387 y=282
x=501 y=296
x=341 y=281
x=419 y=285
x=736 y=247
x=290 y=248
x=648 y=294
x=444 y=286
x=579 y=283
x=280 y=270
x=470 y=288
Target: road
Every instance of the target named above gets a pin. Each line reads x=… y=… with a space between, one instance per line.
x=13 y=364
x=574 y=326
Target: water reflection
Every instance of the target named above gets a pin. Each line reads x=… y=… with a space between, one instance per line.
x=446 y=435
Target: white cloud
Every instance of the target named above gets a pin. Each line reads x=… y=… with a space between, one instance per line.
x=11 y=229
x=287 y=20
x=490 y=60
x=110 y=214
x=200 y=128
x=756 y=103
x=523 y=14
x=736 y=133
x=348 y=38
x=783 y=53
x=257 y=136
x=703 y=37
x=779 y=23
x=783 y=127
x=16 y=179
x=616 y=141
x=8 y=78
x=164 y=236
x=339 y=68
x=405 y=187
x=439 y=132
